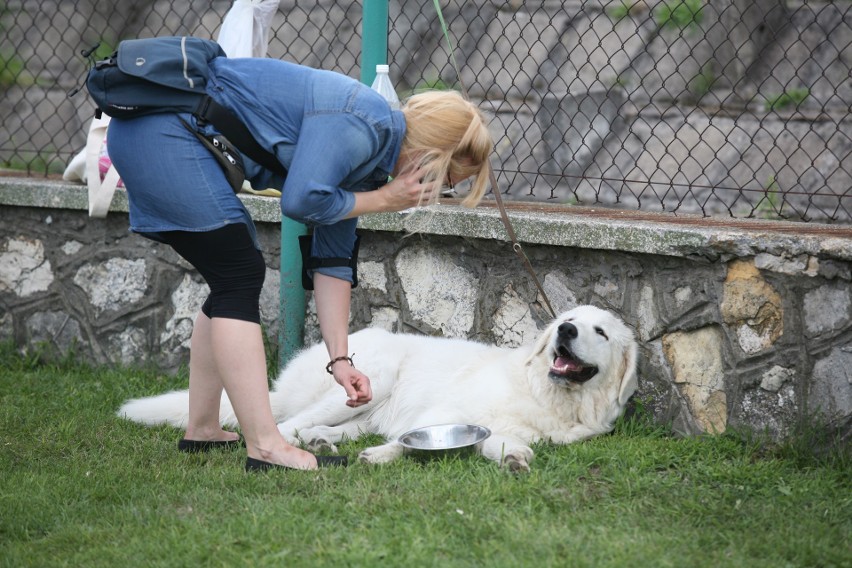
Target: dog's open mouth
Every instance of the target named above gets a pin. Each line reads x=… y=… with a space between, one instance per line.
x=566 y=367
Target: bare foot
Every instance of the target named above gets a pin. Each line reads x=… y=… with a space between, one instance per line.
x=286 y=455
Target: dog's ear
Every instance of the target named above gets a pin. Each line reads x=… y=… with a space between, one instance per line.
x=541 y=344
x=629 y=381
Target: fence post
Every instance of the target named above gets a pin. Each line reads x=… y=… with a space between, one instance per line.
x=374 y=38
x=291 y=315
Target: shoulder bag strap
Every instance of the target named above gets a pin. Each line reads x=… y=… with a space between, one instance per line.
x=234 y=130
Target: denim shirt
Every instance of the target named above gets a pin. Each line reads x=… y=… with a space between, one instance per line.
x=334 y=135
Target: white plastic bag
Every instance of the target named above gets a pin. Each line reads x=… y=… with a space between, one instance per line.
x=76 y=168
x=87 y=167
x=245 y=29
x=100 y=191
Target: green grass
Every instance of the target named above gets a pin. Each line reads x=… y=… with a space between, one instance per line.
x=789 y=98
x=37 y=163
x=13 y=71
x=679 y=14
x=81 y=487
x=619 y=10
x=770 y=205
x=702 y=83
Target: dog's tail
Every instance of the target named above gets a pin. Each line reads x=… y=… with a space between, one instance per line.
x=171 y=408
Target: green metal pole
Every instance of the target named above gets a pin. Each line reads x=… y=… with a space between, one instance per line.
x=291 y=320
x=374 y=38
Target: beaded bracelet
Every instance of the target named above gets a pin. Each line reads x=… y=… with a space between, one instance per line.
x=335 y=360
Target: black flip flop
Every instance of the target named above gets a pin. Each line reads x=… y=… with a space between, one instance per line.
x=322 y=461
x=198 y=446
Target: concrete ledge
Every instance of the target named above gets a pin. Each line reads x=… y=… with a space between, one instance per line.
x=579 y=227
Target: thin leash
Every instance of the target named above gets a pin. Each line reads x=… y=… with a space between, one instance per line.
x=516 y=246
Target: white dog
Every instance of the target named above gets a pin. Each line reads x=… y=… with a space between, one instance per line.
x=570 y=385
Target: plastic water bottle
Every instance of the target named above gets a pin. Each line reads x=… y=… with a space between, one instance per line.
x=383 y=85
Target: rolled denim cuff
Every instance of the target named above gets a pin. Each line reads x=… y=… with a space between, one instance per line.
x=341 y=272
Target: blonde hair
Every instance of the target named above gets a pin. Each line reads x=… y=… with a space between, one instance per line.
x=448 y=136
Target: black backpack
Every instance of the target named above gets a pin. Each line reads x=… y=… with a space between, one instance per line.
x=146 y=76
x=169 y=74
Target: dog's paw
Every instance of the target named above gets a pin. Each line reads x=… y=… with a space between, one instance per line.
x=318 y=445
x=380 y=454
x=518 y=460
x=516 y=464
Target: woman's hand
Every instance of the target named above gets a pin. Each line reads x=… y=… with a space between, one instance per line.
x=403 y=192
x=406 y=191
x=354 y=382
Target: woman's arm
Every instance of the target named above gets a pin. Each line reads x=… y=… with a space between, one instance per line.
x=332 y=297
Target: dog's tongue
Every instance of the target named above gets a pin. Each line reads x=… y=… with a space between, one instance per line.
x=565 y=364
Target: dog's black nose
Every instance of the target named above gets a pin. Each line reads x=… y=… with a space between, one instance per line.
x=568 y=330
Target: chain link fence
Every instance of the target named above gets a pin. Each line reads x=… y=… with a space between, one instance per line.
x=720 y=108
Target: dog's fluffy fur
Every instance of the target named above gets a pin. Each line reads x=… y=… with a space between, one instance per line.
x=571 y=384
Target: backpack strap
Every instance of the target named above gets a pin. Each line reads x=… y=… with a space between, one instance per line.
x=234 y=130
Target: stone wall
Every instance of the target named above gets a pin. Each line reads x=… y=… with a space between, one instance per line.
x=739 y=323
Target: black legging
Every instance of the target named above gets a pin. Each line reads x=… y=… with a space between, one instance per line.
x=230 y=264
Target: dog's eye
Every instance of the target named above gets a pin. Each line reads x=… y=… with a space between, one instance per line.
x=601 y=332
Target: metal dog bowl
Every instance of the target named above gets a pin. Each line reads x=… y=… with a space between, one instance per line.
x=443 y=439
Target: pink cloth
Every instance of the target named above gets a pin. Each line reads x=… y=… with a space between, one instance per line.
x=104 y=163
